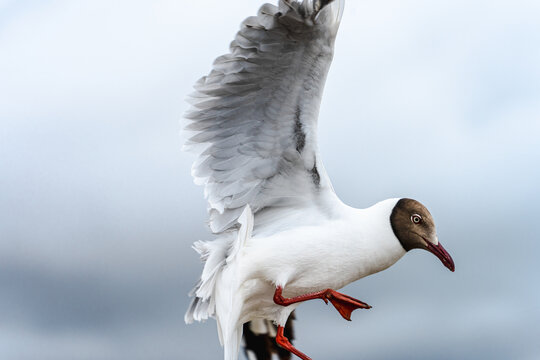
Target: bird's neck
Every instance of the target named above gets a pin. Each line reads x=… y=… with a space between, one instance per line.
x=373 y=242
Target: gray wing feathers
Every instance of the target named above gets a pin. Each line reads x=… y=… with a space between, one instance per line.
x=253 y=118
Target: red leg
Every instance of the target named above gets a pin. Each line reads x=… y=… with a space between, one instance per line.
x=343 y=303
x=282 y=341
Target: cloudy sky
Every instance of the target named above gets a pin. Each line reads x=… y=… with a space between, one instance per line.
x=436 y=100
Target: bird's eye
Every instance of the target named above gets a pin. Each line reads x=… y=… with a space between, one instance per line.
x=417 y=219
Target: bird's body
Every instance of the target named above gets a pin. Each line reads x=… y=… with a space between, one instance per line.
x=284 y=236
x=328 y=252
x=343 y=249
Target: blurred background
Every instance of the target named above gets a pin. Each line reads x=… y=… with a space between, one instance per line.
x=435 y=100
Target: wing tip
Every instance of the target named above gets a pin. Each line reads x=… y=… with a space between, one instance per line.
x=314 y=12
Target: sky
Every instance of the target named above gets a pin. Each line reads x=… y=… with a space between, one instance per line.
x=433 y=100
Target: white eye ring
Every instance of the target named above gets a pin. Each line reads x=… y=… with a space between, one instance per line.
x=416 y=219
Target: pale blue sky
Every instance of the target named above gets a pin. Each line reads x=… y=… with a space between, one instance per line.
x=436 y=100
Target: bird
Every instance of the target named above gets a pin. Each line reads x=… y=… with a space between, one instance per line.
x=281 y=234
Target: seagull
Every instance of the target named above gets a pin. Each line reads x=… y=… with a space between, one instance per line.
x=283 y=236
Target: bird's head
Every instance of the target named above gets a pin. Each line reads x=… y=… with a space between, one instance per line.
x=414 y=227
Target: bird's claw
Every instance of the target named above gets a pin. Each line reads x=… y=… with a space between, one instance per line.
x=344 y=304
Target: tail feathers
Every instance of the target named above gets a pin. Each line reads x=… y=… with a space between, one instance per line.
x=260 y=339
x=232 y=344
x=198 y=309
x=213 y=254
x=228 y=302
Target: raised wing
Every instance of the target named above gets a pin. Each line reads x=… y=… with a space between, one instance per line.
x=254 y=117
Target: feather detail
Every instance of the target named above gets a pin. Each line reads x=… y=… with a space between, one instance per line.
x=247 y=113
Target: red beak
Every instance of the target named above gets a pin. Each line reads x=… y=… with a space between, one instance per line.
x=442 y=254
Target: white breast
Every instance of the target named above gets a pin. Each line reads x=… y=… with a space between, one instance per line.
x=331 y=254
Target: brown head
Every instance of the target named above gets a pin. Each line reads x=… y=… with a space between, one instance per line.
x=414 y=227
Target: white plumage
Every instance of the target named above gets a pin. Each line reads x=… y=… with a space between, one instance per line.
x=253 y=125
x=254 y=117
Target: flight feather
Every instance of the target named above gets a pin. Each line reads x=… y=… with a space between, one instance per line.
x=254 y=116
